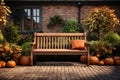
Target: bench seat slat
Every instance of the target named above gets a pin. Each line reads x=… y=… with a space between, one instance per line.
x=58 y=51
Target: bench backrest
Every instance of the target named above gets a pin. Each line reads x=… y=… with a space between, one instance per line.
x=56 y=40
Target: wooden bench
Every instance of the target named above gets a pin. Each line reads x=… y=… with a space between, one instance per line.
x=57 y=44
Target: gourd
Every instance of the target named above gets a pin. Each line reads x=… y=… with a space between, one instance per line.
x=94 y=60
x=109 y=61
x=3 y=64
x=11 y=64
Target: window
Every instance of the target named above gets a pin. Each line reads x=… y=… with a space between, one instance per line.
x=29 y=19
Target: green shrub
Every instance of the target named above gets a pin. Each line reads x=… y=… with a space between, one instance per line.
x=72 y=26
x=12 y=34
x=102 y=48
x=112 y=38
x=55 y=20
x=26 y=48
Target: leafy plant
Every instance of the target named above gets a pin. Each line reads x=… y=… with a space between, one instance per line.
x=101 y=48
x=100 y=20
x=4 y=13
x=114 y=39
x=55 y=20
x=8 y=51
x=72 y=26
x=12 y=34
x=26 y=48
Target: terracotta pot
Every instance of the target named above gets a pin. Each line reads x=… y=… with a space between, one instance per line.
x=3 y=64
x=83 y=59
x=109 y=61
x=94 y=60
x=11 y=64
x=25 y=60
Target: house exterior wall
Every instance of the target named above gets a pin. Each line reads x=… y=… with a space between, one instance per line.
x=65 y=11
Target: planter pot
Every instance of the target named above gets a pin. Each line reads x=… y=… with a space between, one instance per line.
x=94 y=60
x=3 y=64
x=109 y=61
x=25 y=60
x=83 y=59
x=11 y=64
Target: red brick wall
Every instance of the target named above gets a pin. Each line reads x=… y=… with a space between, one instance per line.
x=66 y=11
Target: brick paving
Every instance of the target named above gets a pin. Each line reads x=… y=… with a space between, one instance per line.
x=60 y=71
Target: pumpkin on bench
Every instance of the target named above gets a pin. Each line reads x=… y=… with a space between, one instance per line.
x=60 y=44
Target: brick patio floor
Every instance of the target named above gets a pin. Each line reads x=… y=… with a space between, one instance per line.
x=60 y=71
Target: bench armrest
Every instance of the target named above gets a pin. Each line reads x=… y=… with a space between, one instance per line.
x=33 y=44
x=87 y=44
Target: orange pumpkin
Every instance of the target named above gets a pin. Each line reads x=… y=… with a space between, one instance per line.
x=25 y=60
x=109 y=61
x=3 y=64
x=11 y=64
x=0 y=65
x=83 y=59
x=117 y=62
x=101 y=62
x=94 y=60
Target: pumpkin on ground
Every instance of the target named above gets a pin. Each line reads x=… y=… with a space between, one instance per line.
x=3 y=64
x=94 y=60
x=83 y=59
x=25 y=60
x=0 y=65
x=109 y=61
x=11 y=64
x=101 y=62
x=117 y=60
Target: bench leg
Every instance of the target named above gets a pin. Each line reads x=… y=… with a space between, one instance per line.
x=31 y=59
x=88 y=59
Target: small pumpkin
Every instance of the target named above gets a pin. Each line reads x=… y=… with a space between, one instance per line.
x=3 y=64
x=0 y=65
x=101 y=62
x=83 y=59
x=94 y=60
x=25 y=60
x=109 y=61
x=117 y=60
x=11 y=64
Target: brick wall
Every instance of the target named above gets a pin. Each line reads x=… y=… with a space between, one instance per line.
x=66 y=11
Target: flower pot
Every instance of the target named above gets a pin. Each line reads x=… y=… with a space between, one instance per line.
x=83 y=59
x=25 y=60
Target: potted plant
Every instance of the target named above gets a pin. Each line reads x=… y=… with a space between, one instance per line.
x=25 y=58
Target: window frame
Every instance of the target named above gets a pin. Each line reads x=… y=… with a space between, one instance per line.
x=22 y=30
